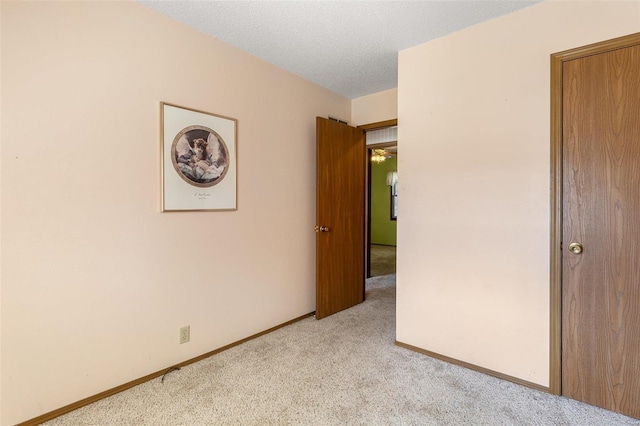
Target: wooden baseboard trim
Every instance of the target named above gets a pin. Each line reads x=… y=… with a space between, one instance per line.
x=74 y=406
x=475 y=367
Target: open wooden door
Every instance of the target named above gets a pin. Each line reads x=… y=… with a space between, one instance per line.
x=340 y=223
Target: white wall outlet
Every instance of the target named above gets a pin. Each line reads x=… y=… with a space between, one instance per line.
x=185 y=334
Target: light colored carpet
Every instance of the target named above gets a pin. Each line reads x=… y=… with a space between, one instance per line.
x=342 y=370
x=383 y=260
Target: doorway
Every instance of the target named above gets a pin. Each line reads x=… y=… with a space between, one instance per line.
x=342 y=240
x=382 y=198
x=382 y=208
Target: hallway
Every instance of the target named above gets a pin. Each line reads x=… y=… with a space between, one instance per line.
x=383 y=260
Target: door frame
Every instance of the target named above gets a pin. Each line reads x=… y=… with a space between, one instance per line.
x=557 y=61
x=367 y=184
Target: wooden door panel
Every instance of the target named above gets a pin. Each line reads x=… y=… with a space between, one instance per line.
x=601 y=205
x=340 y=207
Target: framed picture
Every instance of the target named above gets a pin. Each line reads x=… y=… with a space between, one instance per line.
x=199 y=160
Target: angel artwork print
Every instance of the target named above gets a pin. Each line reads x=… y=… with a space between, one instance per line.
x=199 y=156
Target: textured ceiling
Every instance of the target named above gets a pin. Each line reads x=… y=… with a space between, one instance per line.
x=349 y=47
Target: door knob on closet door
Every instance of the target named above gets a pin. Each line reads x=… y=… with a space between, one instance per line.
x=575 y=248
x=321 y=228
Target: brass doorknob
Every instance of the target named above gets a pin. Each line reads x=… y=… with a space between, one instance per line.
x=322 y=228
x=575 y=248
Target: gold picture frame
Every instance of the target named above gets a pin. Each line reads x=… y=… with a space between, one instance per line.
x=198 y=160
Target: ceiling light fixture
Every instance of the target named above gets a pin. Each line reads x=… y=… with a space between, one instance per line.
x=378 y=156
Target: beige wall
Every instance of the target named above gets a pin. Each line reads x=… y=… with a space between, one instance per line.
x=380 y=106
x=96 y=282
x=473 y=255
x=1 y=303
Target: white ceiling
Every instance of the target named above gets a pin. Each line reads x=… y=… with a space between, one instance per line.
x=349 y=47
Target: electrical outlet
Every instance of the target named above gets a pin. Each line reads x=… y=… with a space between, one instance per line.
x=185 y=333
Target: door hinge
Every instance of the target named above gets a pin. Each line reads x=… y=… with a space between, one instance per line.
x=338 y=120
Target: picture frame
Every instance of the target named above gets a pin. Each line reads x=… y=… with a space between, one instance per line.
x=198 y=160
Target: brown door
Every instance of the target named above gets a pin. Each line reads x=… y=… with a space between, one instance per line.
x=601 y=205
x=340 y=214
